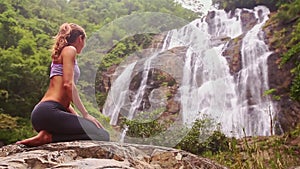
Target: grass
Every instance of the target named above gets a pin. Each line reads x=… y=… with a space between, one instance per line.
x=274 y=152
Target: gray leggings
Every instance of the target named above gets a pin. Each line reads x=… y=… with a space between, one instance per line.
x=64 y=126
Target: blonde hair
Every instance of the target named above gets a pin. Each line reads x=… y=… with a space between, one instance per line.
x=67 y=34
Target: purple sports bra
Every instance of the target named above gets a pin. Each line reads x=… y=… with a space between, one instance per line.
x=57 y=70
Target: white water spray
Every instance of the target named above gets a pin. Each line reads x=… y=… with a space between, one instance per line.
x=207 y=86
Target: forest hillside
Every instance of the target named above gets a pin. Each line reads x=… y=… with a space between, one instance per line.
x=26 y=31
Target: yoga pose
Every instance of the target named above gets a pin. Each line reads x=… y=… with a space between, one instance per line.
x=54 y=117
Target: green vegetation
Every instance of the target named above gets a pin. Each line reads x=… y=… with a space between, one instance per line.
x=145 y=125
x=288 y=41
x=275 y=152
x=26 y=31
x=272 y=92
x=124 y=48
x=206 y=139
x=14 y=129
x=233 y=4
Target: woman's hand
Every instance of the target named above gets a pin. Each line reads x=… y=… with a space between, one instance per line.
x=94 y=120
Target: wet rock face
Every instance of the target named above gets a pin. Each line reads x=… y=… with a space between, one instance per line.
x=170 y=63
x=248 y=20
x=161 y=88
x=233 y=55
x=280 y=79
x=92 y=154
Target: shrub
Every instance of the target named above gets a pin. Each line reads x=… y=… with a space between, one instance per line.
x=204 y=137
x=13 y=129
x=144 y=126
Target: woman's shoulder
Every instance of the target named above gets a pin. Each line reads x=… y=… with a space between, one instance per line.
x=69 y=51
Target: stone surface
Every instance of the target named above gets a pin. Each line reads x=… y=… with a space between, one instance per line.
x=281 y=79
x=96 y=154
x=171 y=62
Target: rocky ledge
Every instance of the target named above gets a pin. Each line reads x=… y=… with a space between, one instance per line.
x=95 y=154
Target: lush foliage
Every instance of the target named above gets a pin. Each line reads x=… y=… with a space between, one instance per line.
x=233 y=4
x=276 y=152
x=288 y=21
x=145 y=124
x=26 y=28
x=26 y=31
x=14 y=129
x=204 y=137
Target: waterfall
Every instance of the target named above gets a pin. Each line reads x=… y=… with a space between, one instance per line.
x=207 y=87
x=253 y=80
x=140 y=93
x=238 y=103
x=118 y=95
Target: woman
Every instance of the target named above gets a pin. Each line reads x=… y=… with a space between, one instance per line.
x=54 y=117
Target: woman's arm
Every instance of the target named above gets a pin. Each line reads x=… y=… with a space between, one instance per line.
x=77 y=101
x=71 y=110
x=68 y=57
x=69 y=54
x=79 y=105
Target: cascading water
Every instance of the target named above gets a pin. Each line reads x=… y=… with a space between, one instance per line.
x=207 y=87
x=139 y=95
x=253 y=81
x=119 y=92
x=117 y=95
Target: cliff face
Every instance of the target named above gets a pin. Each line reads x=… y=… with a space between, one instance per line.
x=280 y=79
x=169 y=66
x=92 y=154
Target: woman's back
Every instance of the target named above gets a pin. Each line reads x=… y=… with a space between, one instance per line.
x=56 y=90
x=53 y=117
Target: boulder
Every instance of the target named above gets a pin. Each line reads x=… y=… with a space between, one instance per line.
x=97 y=154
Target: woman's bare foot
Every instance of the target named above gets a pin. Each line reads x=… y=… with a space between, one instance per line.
x=42 y=138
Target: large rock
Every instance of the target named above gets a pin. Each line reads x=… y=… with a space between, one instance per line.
x=96 y=154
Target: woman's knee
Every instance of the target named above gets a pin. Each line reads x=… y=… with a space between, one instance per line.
x=100 y=135
x=105 y=135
